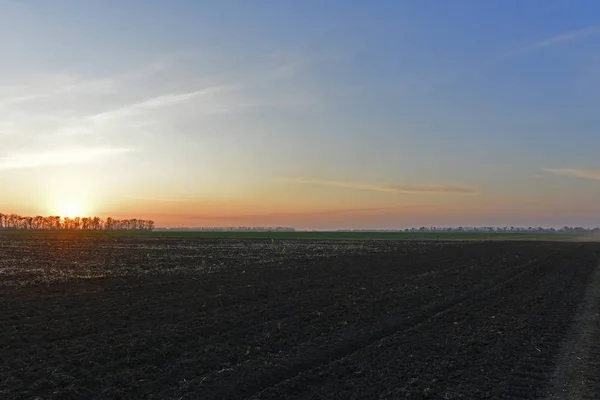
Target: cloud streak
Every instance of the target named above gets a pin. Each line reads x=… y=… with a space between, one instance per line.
x=50 y=86
x=566 y=37
x=161 y=101
x=583 y=173
x=83 y=87
x=389 y=188
x=58 y=157
x=559 y=39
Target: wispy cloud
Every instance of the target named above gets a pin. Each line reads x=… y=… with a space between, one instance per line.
x=559 y=39
x=154 y=199
x=161 y=101
x=566 y=37
x=48 y=86
x=140 y=97
x=390 y=188
x=58 y=157
x=82 y=86
x=583 y=173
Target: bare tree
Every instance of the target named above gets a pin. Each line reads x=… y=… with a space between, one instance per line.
x=38 y=222
x=67 y=223
x=97 y=224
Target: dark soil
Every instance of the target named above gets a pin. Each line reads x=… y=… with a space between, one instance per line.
x=231 y=319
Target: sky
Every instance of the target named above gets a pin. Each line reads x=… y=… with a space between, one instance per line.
x=311 y=114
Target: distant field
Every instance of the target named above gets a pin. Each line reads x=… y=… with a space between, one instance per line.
x=317 y=235
x=366 y=235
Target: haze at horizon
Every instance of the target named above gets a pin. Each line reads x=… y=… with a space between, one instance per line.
x=305 y=114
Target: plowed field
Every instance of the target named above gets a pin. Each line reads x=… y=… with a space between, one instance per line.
x=130 y=318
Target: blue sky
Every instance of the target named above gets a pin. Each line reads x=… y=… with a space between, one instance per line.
x=317 y=114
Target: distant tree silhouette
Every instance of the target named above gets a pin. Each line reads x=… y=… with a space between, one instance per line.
x=38 y=222
x=53 y=222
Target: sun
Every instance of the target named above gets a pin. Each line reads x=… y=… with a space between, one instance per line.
x=70 y=196
x=71 y=209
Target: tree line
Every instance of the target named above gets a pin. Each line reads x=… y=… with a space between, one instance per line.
x=19 y=222
x=486 y=229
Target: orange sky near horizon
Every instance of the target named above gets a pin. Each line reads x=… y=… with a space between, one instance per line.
x=421 y=211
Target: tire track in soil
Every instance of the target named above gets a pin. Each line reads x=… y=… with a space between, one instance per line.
x=46 y=308
x=285 y=370
x=458 y=353
x=577 y=373
x=528 y=378
x=140 y=289
x=436 y=268
x=123 y=336
x=282 y=312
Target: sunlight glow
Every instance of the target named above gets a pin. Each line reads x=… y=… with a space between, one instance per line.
x=70 y=194
x=71 y=209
